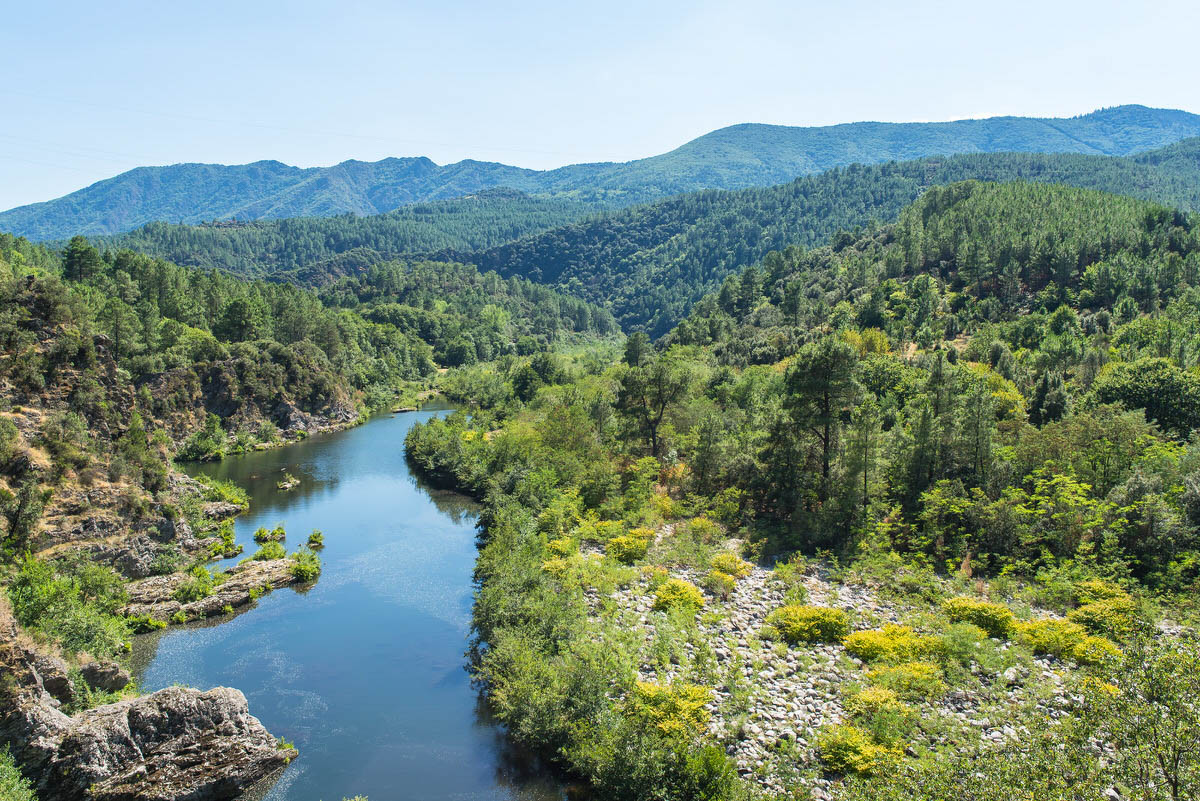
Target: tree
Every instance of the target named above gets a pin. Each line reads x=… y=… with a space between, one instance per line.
x=637 y=349
x=821 y=388
x=81 y=261
x=647 y=392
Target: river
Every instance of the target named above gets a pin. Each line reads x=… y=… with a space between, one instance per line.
x=364 y=671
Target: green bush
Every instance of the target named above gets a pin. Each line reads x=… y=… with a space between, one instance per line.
x=306 y=566
x=626 y=548
x=892 y=643
x=13 y=786
x=677 y=709
x=678 y=594
x=1057 y=638
x=1092 y=590
x=1115 y=618
x=199 y=586
x=143 y=623
x=880 y=711
x=850 y=751
x=797 y=623
x=911 y=681
x=1095 y=651
x=269 y=551
x=731 y=565
x=263 y=534
x=316 y=539
x=73 y=604
x=996 y=619
x=720 y=584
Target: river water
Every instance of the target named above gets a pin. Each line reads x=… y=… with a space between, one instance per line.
x=364 y=672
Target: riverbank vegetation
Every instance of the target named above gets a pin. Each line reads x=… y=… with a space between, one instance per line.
x=956 y=455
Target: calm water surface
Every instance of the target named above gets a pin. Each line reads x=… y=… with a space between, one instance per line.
x=364 y=671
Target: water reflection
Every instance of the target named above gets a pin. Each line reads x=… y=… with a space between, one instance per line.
x=364 y=671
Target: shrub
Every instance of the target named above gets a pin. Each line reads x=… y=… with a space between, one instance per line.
x=179 y=617
x=1095 y=651
x=263 y=534
x=675 y=710
x=1093 y=590
x=798 y=623
x=269 y=551
x=316 y=539
x=850 y=751
x=72 y=604
x=143 y=623
x=704 y=530
x=198 y=587
x=562 y=546
x=1057 y=638
x=892 y=643
x=627 y=548
x=678 y=594
x=306 y=566
x=1116 y=618
x=13 y=786
x=911 y=681
x=731 y=565
x=720 y=584
x=996 y=619
x=881 y=712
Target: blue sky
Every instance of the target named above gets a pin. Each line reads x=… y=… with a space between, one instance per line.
x=92 y=89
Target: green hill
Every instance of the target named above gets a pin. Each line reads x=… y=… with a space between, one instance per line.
x=650 y=263
x=730 y=158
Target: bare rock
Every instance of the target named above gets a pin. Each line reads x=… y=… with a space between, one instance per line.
x=175 y=744
x=54 y=676
x=107 y=676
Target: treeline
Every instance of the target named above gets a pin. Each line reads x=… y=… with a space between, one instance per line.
x=270 y=247
x=651 y=263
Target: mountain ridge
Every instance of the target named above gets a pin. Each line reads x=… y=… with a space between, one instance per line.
x=734 y=157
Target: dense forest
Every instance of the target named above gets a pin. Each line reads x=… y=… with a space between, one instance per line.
x=909 y=514
x=649 y=264
x=270 y=247
x=729 y=158
x=204 y=341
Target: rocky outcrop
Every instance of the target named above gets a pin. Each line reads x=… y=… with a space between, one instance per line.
x=107 y=676
x=175 y=744
x=154 y=596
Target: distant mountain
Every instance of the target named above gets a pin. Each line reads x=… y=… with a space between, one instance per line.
x=730 y=158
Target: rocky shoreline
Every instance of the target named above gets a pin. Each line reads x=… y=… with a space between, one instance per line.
x=172 y=744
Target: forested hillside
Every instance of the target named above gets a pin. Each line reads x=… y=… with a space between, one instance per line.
x=730 y=158
x=260 y=354
x=267 y=247
x=650 y=263
x=909 y=516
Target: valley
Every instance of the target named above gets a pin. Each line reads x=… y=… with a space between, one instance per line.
x=838 y=473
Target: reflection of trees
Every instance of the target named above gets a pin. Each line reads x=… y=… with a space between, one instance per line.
x=459 y=508
x=521 y=773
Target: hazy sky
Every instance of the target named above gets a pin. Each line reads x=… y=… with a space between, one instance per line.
x=92 y=89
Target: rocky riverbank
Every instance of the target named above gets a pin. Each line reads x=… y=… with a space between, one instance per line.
x=177 y=743
x=770 y=701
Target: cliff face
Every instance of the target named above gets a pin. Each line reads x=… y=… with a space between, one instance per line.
x=177 y=743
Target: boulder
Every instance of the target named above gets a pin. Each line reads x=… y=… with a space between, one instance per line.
x=53 y=673
x=107 y=676
x=178 y=743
